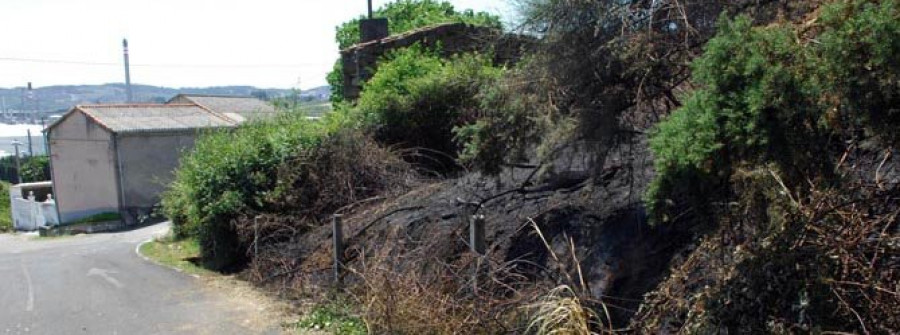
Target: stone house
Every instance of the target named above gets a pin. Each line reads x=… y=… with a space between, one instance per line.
x=120 y=158
x=360 y=61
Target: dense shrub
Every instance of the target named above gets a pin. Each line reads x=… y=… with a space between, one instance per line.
x=34 y=168
x=8 y=169
x=403 y=16
x=416 y=99
x=516 y=115
x=857 y=63
x=226 y=188
x=768 y=96
x=345 y=167
x=800 y=238
x=230 y=171
x=754 y=107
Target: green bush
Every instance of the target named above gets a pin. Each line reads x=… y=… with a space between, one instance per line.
x=227 y=172
x=417 y=98
x=5 y=213
x=516 y=115
x=858 y=64
x=751 y=108
x=767 y=96
x=403 y=16
x=8 y=169
x=36 y=168
x=334 y=317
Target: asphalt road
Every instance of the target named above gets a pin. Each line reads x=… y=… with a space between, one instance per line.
x=97 y=284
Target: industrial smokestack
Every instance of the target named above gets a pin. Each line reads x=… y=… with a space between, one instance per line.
x=30 y=97
x=128 y=96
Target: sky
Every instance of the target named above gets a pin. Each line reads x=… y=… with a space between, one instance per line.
x=179 y=43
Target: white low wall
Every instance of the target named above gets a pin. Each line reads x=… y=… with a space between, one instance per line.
x=29 y=213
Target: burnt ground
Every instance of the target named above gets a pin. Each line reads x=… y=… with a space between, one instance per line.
x=620 y=255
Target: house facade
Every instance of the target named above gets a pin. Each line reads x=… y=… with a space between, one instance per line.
x=120 y=158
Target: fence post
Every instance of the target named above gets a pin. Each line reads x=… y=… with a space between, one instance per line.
x=338 y=244
x=256 y=236
x=476 y=234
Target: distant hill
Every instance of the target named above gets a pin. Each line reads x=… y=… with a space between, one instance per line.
x=52 y=99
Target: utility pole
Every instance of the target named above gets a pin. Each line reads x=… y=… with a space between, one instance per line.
x=44 y=136
x=30 y=147
x=16 y=144
x=128 y=96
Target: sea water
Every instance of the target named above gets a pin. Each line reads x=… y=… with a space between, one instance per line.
x=11 y=132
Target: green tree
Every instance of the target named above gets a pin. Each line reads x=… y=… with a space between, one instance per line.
x=36 y=168
x=403 y=16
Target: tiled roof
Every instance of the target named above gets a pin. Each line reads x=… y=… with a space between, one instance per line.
x=153 y=118
x=236 y=107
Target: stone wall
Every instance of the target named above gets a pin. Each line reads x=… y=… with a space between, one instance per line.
x=359 y=61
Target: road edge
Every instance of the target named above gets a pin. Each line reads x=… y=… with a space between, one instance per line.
x=137 y=250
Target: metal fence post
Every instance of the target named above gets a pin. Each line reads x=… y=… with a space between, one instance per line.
x=256 y=236
x=476 y=234
x=338 y=244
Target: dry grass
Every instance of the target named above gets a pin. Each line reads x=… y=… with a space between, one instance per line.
x=399 y=296
x=404 y=289
x=561 y=312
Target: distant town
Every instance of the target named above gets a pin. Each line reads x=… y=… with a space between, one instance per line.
x=32 y=104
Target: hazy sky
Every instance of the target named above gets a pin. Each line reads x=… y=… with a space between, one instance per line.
x=178 y=43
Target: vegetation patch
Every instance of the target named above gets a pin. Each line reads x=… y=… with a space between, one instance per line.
x=5 y=211
x=416 y=99
x=34 y=168
x=231 y=171
x=777 y=151
x=335 y=317
x=774 y=192
x=182 y=254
